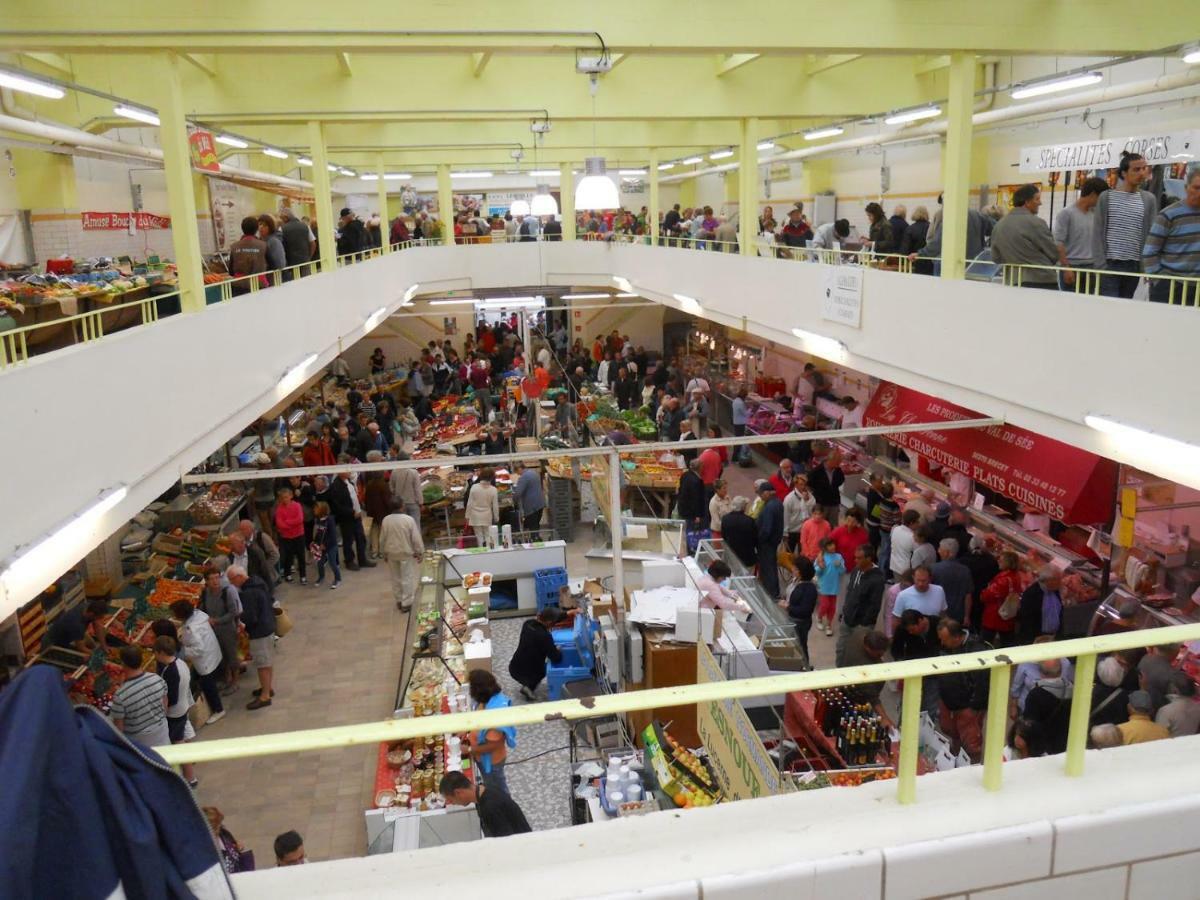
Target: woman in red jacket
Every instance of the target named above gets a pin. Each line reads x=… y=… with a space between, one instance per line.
x=289 y=524
x=317 y=452
x=997 y=630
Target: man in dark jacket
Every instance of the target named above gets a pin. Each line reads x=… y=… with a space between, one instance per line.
x=964 y=693
x=690 y=500
x=1040 y=612
x=251 y=558
x=864 y=599
x=247 y=256
x=258 y=615
x=770 y=533
x=916 y=638
x=740 y=533
x=552 y=231
x=297 y=240
x=349 y=520
x=352 y=237
x=536 y=645
x=825 y=482
x=627 y=389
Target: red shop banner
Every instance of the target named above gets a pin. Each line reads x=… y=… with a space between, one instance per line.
x=204 y=151
x=1062 y=481
x=121 y=221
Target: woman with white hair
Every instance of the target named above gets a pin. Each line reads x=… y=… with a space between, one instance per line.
x=1109 y=700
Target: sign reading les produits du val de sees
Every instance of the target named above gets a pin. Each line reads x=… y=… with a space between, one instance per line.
x=739 y=758
x=1158 y=149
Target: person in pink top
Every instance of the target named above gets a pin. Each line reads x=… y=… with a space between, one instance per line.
x=851 y=534
x=289 y=524
x=813 y=533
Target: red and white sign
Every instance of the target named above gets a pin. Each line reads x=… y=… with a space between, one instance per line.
x=204 y=151
x=1064 y=482
x=121 y=221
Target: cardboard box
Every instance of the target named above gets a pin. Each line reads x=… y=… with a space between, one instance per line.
x=478 y=655
x=474 y=625
x=784 y=659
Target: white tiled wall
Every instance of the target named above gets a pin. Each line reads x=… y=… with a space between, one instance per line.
x=55 y=237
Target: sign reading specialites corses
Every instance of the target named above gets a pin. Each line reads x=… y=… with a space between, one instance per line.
x=121 y=221
x=1158 y=149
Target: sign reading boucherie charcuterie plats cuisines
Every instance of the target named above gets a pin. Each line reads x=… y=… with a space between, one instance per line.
x=1158 y=149
x=121 y=221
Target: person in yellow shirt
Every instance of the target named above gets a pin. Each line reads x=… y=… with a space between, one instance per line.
x=1140 y=727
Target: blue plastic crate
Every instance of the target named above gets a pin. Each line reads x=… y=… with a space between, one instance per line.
x=547 y=584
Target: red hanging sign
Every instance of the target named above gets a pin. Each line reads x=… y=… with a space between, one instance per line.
x=1066 y=483
x=121 y=221
x=204 y=151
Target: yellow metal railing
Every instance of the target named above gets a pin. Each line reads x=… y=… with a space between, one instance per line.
x=911 y=672
x=1174 y=290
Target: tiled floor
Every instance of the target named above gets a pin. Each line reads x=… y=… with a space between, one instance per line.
x=341 y=665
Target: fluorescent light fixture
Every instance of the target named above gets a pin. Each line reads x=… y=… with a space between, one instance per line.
x=622 y=283
x=827 y=347
x=396 y=176
x=720 y=154
x=689 y=304
x=331 y=168
x=1054 y=85
x=913 y=115
x=627 y=294
x=586 y=296
x=349 y=173
x=297 y=371
x=463 y=301
x=595 y=189
x=374 y=319
x=368 y=177
x=631 y=171
x=1163 y=451
x=765 y=145
x=28 y=85
x=544 y=173
x=665 y=167
x=1192 y=57
x=138 y=115
x=272 y=151
x=304 y=160
x=519 y=207
x=512 y=303
x=230 y=141
x=470 y=174
x=692 y=160
x=39 y=563
x=817 y=133
x=410 y=293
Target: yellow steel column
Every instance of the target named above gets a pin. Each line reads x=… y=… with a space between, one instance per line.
x=910 y=739
x=384 y=223
x=956 y=173
x=566 y=200
x=445 y=204
x=1081 y=706
x=652 y=213
x=181 y=197
x=997 y=721
x=748 y=187
x=322 y=197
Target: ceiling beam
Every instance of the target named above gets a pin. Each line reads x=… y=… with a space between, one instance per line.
x=55 y=61
x=729 y=62
x=479 y=62
x=343 y=60
x=817 y=64
x=205 y=62
x=923 y=65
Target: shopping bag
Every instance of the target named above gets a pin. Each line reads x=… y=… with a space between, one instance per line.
x=283 y=622
x=695 y=536
x=1010 y=607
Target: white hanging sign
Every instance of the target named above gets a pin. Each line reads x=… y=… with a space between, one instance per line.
x=842 y=302
x=1158 y=149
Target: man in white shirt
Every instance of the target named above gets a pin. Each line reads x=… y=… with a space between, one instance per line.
x=401 y=545
x=924 y=596
x=697 y=383
x=543 y=357
x=903 y=542
x=853 y=416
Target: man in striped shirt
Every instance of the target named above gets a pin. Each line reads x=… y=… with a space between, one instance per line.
x=1173 y=248
x=139 y=707
x=1123 y=219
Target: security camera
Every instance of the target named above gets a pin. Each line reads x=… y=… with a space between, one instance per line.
x=540 y=127
x=517 y=153
x=593 y=65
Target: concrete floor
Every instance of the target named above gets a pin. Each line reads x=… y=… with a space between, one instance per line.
x=341 y=665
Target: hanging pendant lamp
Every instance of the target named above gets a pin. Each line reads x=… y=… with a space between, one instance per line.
x=519 y=208
x=543 y=203
x=596 y=190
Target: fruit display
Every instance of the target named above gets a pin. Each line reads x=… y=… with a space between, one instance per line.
x=681 y=774
x=215 y=506
x=811 y=781
x=168 y=590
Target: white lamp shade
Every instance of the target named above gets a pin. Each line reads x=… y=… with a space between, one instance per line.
x=596 y=190
x=519 y=208
x=543 y=203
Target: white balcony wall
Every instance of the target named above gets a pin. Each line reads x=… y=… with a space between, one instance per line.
x=141 y=407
